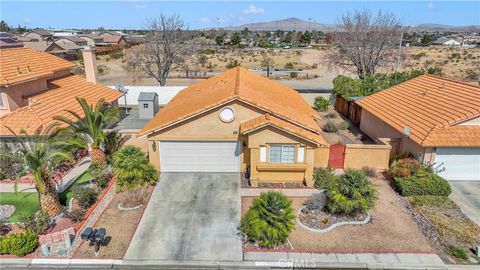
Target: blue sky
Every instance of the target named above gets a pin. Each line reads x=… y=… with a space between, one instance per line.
x=132 y=14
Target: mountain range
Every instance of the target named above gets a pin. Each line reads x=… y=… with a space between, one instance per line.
x=297 y=24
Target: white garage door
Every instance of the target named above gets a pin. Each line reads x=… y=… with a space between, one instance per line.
x=459 y=163
x=184 y=156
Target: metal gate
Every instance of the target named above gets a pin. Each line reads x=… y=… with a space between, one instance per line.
x=336 y=157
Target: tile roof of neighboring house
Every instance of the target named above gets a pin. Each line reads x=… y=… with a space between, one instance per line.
x=42 y=32
x=74 y=39
x=269 y=120
x=68 y=46
x=23 y=64
x=93 y=36
x=236 y=83
x=460 y=135
x=423 y=104
x=60 y=97
x=38 y=45
x=112 y=39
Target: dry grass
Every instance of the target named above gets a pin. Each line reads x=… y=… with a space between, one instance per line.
x=391 y=229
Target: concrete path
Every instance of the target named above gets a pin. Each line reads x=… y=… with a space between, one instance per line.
x=290 y=259
x=73 y=174
x=190 y=216
x=466 y=194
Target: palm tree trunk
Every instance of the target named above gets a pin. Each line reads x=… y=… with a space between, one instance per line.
x=96 y=154
x=49 y=202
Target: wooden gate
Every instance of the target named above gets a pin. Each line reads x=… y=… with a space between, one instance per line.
x=336 y=157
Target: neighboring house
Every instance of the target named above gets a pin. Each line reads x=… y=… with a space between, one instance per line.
x=39 y=34
x=25 y=39
x=92 y=39
x=115 y=40
x=9 y=41
x=36 y=86
x=435 y=118
x=238 y=121
x=446 y=42
x=73 y=40
x=42 y=46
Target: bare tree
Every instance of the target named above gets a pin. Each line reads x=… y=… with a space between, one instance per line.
x=364 y=40
x=164 y=47
x=267 y=62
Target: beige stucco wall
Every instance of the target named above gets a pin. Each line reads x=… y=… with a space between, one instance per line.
x=472 y=122
x=358 y=156
x=377 y=129
x=13 y=96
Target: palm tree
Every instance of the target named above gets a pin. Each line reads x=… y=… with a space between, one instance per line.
x=88 y=130
x=132 y=168
x=39 y=154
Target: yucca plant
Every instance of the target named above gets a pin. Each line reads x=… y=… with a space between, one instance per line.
x=269 y=220
x=351 y=193
x=132 y=168
x=39 y=154
x=88 y=130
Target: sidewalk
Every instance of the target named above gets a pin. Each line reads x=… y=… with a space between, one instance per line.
x=68 y=179
x=371 y=259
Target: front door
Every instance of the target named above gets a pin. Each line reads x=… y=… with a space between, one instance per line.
x=337 y=156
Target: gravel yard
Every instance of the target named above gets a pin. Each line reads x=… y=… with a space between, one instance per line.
x=390 y=229
x=120 y=227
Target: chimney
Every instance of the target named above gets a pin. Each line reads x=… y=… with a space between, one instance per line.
x=90 y=64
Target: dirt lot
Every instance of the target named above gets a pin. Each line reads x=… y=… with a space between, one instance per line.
x=391 y=230
x=120 y=227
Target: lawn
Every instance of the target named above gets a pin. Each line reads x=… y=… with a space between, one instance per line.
x=67 y=194
x=25 y=203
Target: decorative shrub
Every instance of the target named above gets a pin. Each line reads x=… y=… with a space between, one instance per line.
x=343 y=125
x=19 y=244
x=85 y=196
x=323 y=177
x=321 y=104
x=132 y=169
x=351 y=193
x=316 y=201
x=369 y=171
x=269 y=220
x=405 y=167
x=37 y=222
x=430 y=184
x=100 y=172
x=330 y=127
x=331 y=115
x=76 y=215
x=405 y=155
x=457 y=252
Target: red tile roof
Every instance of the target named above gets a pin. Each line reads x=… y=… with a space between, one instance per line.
x=269 y=120
x=460 y=135
x=60 y=97
x=424 y=104
x=236 y=83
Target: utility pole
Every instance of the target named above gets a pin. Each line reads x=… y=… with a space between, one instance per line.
x=399 y=56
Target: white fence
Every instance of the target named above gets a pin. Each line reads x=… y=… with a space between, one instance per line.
x=165 y=93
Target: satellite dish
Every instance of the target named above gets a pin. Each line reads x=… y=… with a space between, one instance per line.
x=406 y=131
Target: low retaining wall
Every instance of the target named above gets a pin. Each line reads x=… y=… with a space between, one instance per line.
x=371 y=155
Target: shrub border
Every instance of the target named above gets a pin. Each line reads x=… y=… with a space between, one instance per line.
x=331 y=227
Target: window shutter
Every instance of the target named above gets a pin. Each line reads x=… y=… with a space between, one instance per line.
x=301 y=154
x=263 y=154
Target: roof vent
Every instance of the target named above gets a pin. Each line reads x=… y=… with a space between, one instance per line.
x=424 y=93
x=406 y=131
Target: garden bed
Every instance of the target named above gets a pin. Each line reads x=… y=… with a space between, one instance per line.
x=318 y=220
x=120 y=227
x=390 y=230
x=66 y=195
x=25 y=204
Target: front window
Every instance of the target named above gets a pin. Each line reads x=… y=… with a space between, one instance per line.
x=145 y=105
x=282 y=153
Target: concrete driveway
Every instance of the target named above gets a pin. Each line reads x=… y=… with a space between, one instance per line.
x=190 y=217
x=467 y=196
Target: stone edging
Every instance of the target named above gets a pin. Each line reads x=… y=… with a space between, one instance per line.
x=331 y=227
x=128 y=208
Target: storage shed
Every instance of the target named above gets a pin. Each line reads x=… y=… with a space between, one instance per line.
x=147 y=105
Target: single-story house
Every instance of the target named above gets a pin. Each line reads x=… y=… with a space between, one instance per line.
x=73 y=40
x=92 y=39
x=238 y=121
x=42 y=46
x=435 y=118
x=39 y=34
x=115 y=40
x=444 y=41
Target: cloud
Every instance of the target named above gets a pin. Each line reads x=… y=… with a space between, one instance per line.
x=204 y=20
x=26 y=21
x=254 y=10
x=431 y=6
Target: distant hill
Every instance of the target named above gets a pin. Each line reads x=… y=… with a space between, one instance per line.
x=297 y=24
x=289 y=24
